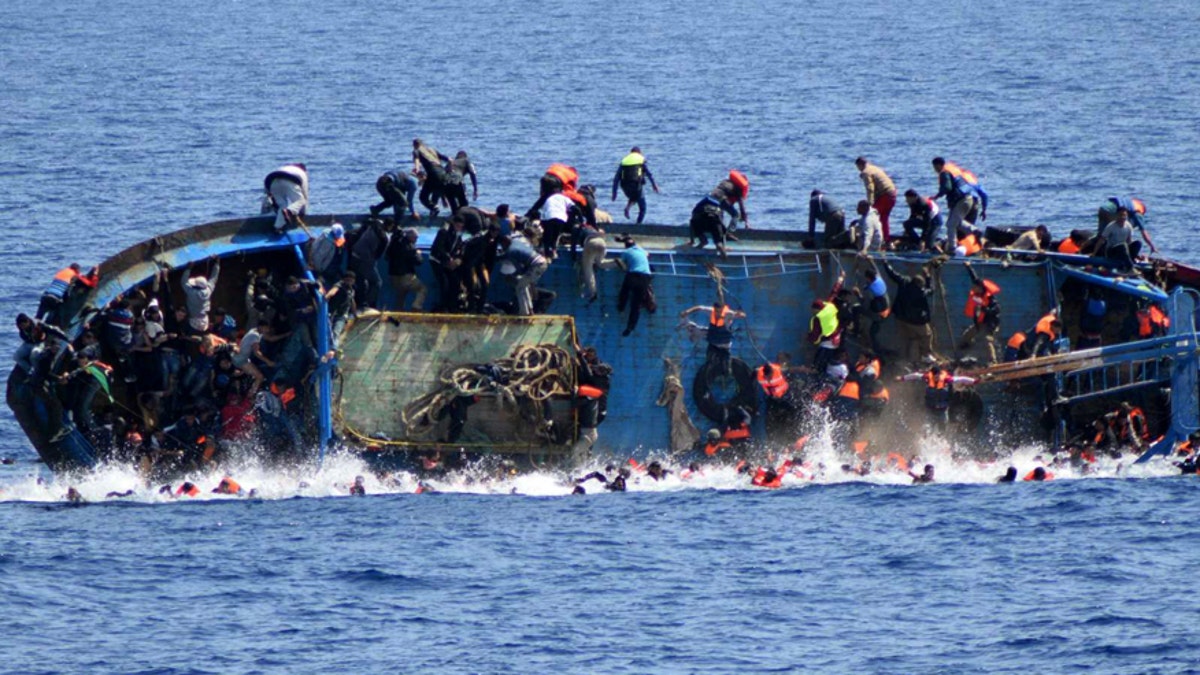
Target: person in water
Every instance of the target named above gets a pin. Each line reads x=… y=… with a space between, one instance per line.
x=358 y=489
x=925 y=477
x=1010 y=476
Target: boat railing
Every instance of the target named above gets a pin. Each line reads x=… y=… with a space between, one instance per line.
x=736 y=266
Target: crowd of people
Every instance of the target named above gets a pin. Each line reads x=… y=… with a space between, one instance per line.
x=197 y=378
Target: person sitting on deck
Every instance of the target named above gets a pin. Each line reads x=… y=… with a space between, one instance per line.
x=719 y=333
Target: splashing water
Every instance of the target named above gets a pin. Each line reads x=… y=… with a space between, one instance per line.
x=822 y=465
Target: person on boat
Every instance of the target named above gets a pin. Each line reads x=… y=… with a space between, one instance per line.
x=1046 y=334
x=287 y=195
x=913 y=313
x=964 y=195
x=719 y=333
x=877 y=308
x=1136 y=213
x=881 y=193
x=1035 y=240
x=925 y=476
x=1018 y=347
x=824 y=328
x=398 y=188
x=1116 y=242
x=594 y=379
x=595 y=248
x=326 y=257
x=367 y=245
x=822 y=208
x=198 y=290
x=636 y=289
x=359 y=489
x=1092 y=319
x=64 y=284
x=924 y=224
x=632 y=174
x=1146 y=320
x=728 y=197
x=432 y=164
x=939 y=388
x=524 y=266
x=983 y=309
x=445 y=257
x=341 y=302
x=458 y=170
x=556 y=214
x=780 y=404
x=867 y=228
x=403 y=261
x=1073 y=243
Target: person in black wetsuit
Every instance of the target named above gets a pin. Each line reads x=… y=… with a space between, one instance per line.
x=445 y=256
x=367 y=245
x=631 y=177
x=396 y=187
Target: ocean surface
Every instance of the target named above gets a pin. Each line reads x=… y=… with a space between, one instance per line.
x=123 y=119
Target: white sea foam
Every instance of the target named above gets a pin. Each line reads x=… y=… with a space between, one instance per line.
x=334 y=476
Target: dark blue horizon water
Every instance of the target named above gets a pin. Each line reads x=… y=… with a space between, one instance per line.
x=123 y=119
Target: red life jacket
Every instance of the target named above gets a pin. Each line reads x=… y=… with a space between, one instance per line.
x=970 y=244
x=713 y=448
x=1068 y=246
x=740 y=181
x=719 y=319
x=1152 y=321
x=736 y=433
x=979 y=300
x=775 y=386
x=1044 y=327
x=849 y=389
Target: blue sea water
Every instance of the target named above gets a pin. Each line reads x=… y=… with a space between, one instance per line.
x=125 y=118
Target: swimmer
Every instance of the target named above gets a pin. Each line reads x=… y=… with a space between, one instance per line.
x=358 y=489
x=692 y=470
x=1039 y=474
x=74 y=497
x=618 y=484
x=579 y=490
x=926 y=477
x=1009 y=476
x=7 y=460
x=227 y=486
x=656 y=471
x=119 y=495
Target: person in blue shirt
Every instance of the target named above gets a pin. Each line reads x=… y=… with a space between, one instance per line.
x=635 y=289
x=965 y=197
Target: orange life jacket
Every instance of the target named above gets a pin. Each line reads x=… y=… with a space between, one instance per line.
x=1029 y=476
x=849 y=389
x=860 y=447
x=588 y=391
x=736 y=433
x=187 y=489
x=1151 y=321
x=937 y=380
x=1068 y=246
x=1044 y=327
x=873 y=365
x=1017 y=339
x=970 y=244
x=720 y=319
x=882 y=395
x=979 y=300
x=774 y=387
x=959 y=172
x=228 y=486
x=713 y=448
x=1136 y=415
x=1139 y=206
x=567 y=174
x=285 y=396
x=740 y=181
x=897 y=460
